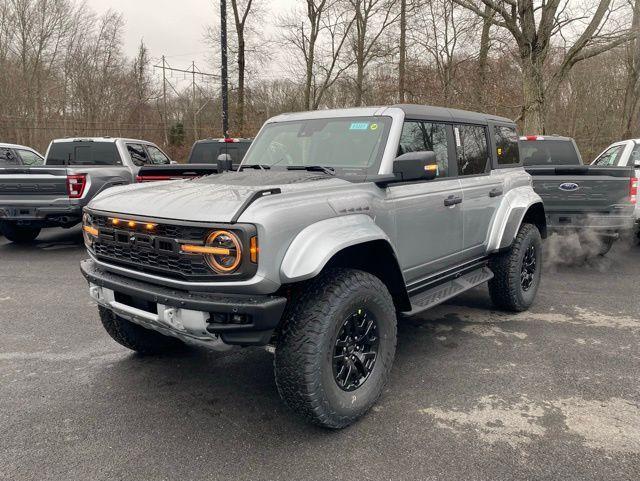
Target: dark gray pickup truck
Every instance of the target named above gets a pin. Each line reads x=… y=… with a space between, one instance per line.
x=74 y=171
x=597 y=202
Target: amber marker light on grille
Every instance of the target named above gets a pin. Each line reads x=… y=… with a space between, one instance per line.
x=204 y=250
x=131 y=224
x=90 y=230
x=115 y=221
x=254 y=249
x=150 y=226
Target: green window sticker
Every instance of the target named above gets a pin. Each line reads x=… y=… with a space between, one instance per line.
x=359 y=126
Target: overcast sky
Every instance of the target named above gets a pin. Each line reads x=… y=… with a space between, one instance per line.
x=173 y=28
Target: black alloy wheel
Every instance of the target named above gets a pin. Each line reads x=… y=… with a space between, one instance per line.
x=355 y=350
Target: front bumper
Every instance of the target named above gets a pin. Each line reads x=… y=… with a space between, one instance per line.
x=42 y=216
x=205 y=318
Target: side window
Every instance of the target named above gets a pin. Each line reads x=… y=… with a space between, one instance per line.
x=30 y=158
x=420 y=136
x=610 y=156
x=471 y=143
x=506 y=145
x=8 y=158
x=635 y=156
x=138 y=154
x=157 y=157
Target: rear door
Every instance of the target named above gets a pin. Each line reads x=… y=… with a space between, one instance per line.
x=481 y=191
x=428 y=214
x=30 y=158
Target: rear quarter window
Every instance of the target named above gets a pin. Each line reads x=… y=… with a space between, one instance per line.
x=507 y=151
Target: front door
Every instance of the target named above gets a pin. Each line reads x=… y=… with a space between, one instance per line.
x=428 y=214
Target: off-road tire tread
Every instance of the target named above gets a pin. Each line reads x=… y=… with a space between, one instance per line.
x=505 y=268
x=298 y=377
x=137 y=338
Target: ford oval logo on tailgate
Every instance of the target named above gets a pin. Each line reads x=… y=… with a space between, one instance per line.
x=569 y=186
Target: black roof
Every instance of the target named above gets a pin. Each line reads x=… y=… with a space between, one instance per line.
x=449 y=115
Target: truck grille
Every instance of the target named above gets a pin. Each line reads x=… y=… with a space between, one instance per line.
x=156 y=253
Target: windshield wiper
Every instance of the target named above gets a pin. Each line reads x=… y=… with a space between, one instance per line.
x=255 y=166
x=313 y=168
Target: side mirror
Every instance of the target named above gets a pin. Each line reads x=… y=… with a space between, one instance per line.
x=421 y=165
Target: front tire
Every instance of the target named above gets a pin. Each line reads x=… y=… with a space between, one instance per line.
x=517 y=271
x=137 y=338
x=336 y=347
x=19 y=234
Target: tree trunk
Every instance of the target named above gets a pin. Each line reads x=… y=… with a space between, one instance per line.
x=483 y=55
x=403 y=51
x=241 y=69
x=533 y=108
x=632 y=89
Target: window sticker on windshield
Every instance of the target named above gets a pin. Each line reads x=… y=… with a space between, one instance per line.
x=374 y=126
x=359 y=126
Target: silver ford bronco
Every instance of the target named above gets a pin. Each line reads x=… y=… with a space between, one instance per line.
x=336 y=222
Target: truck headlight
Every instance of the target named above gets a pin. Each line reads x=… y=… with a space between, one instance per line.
x=89 y=232
x=222 y=250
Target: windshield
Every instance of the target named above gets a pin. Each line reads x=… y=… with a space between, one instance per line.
x=548 y=152
x=353 y=144
x=83 y=153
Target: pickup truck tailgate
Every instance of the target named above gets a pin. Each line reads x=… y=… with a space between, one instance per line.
x=583 y=188
x=32 y=185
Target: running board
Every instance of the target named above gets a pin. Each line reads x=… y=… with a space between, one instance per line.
x=440 y=293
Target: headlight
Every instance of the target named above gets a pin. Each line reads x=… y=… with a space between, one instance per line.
x=222 y=251
x=89 y=232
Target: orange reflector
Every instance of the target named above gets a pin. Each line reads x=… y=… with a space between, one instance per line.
x=90 y=230
x=254 y=249
x=430 y=167
x=204 y=250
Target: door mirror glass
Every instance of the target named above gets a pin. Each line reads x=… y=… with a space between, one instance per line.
x=420 y=165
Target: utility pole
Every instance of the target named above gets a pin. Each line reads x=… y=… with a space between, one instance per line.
x=164 y=102
x=165 y=67
x=225 y=87
x=193 y=101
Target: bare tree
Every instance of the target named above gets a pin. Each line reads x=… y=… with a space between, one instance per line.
x=402 y=52
x=632 y=88
x=442 y=30
x=372 y=19
x=320 y=39
x=533 y=26
x=483 y=55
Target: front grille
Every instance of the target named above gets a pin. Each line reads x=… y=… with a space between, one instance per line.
x=156 y=253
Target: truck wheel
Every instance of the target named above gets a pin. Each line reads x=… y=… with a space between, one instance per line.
x=517 y=271
x=19 y=234
x=599 y=246
x=137 y=338
x=336 y=346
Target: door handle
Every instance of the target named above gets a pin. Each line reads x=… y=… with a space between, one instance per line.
x=495 y=192
x=452 y=200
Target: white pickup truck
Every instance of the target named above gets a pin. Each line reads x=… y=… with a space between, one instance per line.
x=625 y=153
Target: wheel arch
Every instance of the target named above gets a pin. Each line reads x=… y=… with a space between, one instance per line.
x=522 y=207
x=353 y=241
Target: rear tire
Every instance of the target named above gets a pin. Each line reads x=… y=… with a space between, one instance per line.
x=324 y=363
x=517 y=271
x=19 y=234
x=597 y=247
x=137 y=338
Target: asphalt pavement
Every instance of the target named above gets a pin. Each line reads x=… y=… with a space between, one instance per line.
x=475 y=394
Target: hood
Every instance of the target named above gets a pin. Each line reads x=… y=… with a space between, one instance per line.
x=215 y=198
